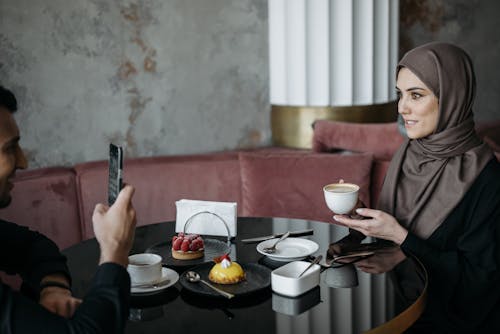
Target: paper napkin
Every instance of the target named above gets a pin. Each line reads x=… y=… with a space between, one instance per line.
x=206 y=223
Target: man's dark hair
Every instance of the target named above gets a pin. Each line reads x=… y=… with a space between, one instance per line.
x=7 y=99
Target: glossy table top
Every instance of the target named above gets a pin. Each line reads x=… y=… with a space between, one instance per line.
x=390 y=296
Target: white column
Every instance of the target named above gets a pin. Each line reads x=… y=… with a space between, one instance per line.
x=332 y=52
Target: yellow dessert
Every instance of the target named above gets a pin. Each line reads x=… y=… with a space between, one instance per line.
x=226 y=271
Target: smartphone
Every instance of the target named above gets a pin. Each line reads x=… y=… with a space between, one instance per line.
x=115 y=181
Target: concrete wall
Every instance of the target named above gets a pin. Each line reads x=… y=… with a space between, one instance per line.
x=179 y=76
x=157 y=76
x=473 y=25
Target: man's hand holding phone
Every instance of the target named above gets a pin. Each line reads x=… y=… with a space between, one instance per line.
x=114 y=224
x=114 y=227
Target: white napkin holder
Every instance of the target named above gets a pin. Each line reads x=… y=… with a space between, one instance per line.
x=206 y=218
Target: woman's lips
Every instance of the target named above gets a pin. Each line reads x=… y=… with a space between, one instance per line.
x=410 y=123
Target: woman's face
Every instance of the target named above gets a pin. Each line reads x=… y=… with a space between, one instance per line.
x=417 y=105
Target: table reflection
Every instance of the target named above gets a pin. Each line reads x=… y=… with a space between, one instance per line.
x=351 y=298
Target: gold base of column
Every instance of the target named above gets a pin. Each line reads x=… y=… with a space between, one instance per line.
x=292 y=126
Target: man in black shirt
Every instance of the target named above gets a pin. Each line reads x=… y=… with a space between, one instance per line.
x=43 y=269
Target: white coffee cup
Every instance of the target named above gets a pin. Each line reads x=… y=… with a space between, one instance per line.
x=144 y=268
x=341 y=198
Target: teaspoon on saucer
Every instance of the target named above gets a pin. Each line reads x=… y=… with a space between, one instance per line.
x=150 y=285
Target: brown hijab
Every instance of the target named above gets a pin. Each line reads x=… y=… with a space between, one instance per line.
x=429 y=176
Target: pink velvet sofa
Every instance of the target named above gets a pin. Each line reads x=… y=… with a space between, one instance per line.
x=266 y=182
x=277 y=182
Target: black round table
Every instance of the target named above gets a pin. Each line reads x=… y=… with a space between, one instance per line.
x=388 y=300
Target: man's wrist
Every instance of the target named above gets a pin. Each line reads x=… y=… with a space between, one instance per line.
x=57 y=279
x=54 y=284
x=114 y=257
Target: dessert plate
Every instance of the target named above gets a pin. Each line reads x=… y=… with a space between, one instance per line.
x=213 y=248
x=290 y=249
x=257 y=279
x=168 y=278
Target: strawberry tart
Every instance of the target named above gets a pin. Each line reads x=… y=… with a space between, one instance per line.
x=187 y=246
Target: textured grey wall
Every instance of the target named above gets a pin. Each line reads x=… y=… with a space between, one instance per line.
x=472 y=24
x=158 y=76
x=179 y=76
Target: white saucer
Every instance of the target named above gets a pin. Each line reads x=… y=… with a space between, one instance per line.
x=166 y=275
x=290 y=249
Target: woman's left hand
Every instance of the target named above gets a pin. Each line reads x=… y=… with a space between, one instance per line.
x=379 y=225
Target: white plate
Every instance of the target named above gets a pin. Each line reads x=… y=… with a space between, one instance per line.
x=166 y=275
x=290 y=249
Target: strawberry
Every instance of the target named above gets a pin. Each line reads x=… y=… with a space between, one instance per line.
x=185 y=245
x=174 y=238
x=177 y=244
x=220 y=258
x=194 y=246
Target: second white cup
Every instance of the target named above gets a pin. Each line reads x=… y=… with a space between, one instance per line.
x=144 y=268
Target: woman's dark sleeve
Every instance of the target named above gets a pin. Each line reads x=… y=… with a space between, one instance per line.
x=104 y=309
x=466 y=278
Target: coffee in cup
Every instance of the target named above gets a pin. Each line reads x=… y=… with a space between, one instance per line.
x=144 y=268
x=341 y=198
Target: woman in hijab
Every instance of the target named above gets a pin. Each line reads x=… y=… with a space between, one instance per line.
x=441 y=196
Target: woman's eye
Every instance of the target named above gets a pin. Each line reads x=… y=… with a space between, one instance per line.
x=398 y=94
x=415 y=96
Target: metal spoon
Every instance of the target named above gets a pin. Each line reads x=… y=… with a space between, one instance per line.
x=272 y=249
x=151 y=285
x=194 y=277
x=316 y=260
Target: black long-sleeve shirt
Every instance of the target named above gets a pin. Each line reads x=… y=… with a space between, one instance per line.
x=103 y=310
x=463 y=261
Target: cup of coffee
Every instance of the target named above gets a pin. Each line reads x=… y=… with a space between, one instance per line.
x=341 y=198
x=144 y=268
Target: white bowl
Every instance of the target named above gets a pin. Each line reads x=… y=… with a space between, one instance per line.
x=285 y=280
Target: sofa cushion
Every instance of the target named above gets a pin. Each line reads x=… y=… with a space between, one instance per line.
x=45 y=200
x=291 y=185
x=159 y=182
x=381 y=139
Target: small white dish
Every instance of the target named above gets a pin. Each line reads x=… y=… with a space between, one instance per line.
x=290 y=249
x=166 y=275
x=285 y=280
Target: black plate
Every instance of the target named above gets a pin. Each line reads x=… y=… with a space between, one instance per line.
x=213 y=248
x=257 y=279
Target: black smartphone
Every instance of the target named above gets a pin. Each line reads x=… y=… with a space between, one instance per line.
x=115 y=181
